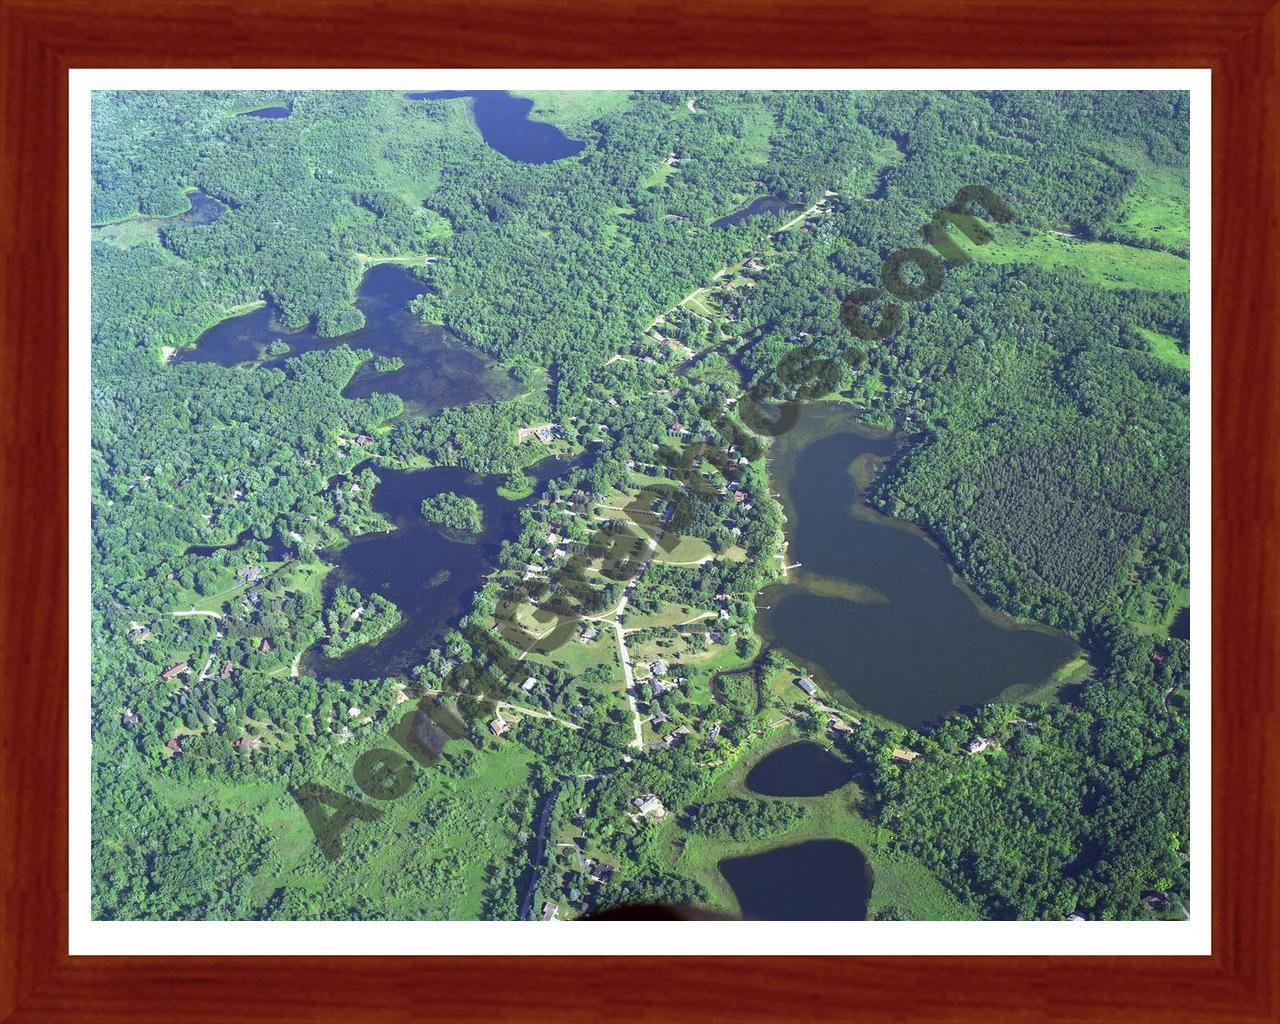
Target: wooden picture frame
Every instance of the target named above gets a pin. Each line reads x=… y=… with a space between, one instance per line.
x=42 y=39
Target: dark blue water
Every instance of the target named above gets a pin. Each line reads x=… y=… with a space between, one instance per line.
x=757 y=208
x=438 y=371
x=798 y=769
x=427 y=574
x=875 y=610
x=271 y=112
x=1181 y=626
x=504 y=123
x=821 y=880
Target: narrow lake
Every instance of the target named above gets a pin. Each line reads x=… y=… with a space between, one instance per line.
x=798 y=769
x=756 y=208
x=204 y=210
x=504 y=124
x=820 y=880
x=274 y=113
x=875 y=610
x=438 y=371
x=429 y=576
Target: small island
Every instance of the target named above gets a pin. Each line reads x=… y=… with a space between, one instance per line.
x=352 y=620
x=385 y=364
x=278 y=347
x=454 y=512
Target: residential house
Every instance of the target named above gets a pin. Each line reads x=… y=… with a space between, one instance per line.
x=649 y=804
x=175 y=670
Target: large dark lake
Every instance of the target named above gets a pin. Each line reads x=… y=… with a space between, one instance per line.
x=875 y=610
x=798 y=769
x=504 y=123
x=820 y=880
x=429 y=574
x=438 y=371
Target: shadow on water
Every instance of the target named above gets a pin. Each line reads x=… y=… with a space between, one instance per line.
x=429 y=573
x=876 y=611
x=438 y=371
x=504 y=124
x=819 y=880
x=756 y=208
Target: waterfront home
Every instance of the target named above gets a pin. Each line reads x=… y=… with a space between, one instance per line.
x=806 y=684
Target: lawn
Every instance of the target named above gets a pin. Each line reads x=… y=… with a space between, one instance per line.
x=1166 y=349
x=687 y=550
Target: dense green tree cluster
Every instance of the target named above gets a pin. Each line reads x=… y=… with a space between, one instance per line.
x=1082 y=808
x=741 y=820
x=455 y=511
x=352 y=619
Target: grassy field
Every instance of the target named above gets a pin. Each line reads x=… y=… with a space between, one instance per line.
x=658 y=176
x=574 y=109
x=1102 y=263
x=1166 y=349
x=1158 y=205
x=1072 y=673
x=901 y=881
x=426 y=857
x=687 y=549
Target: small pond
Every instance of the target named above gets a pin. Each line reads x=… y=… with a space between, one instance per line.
x=798 y=769
x=819 y=880
x=274 y=113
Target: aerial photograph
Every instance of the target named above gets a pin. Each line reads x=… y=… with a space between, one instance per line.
x=543 y=505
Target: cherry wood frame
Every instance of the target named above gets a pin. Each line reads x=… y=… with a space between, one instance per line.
x=41 y=39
